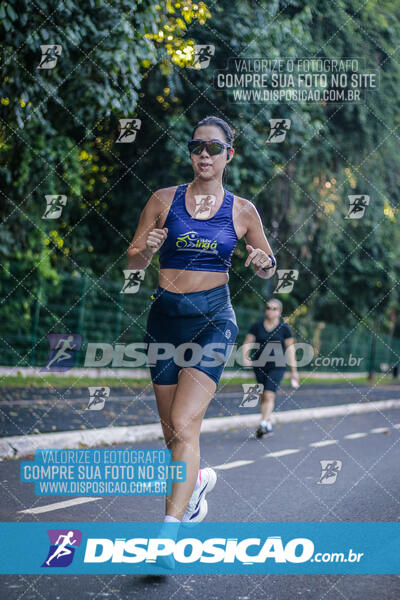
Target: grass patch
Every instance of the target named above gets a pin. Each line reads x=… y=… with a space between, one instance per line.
x=74 y=381
x=71 y=381
x=305 y=380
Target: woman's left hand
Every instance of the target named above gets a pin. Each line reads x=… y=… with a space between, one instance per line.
x=294 y=379
x=257 y=257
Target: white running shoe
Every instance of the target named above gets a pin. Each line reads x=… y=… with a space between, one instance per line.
x=197 y=507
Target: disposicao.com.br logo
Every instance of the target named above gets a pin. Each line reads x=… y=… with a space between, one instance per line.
x=247 y=551
x=211 y=547
x=215 y=547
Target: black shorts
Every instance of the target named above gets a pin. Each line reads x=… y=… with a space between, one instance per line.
x=205 y=318
x=270 y=377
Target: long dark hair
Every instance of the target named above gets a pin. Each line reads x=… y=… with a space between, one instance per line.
x=228 y=132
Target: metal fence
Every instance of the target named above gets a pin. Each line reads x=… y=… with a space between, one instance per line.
x=99 y=312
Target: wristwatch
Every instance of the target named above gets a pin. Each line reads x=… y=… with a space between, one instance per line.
x=271 y=266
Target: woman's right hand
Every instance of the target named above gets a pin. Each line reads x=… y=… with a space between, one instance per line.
x=156 y=238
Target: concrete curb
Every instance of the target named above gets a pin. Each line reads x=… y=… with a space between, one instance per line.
x=127 y=373
x=19 y=446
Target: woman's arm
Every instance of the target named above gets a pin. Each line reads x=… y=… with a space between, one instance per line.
x=148 y=238
x=291 y=355
x=257 y=245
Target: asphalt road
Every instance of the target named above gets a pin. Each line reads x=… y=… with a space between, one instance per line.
x=267 y=487
x=29 y=411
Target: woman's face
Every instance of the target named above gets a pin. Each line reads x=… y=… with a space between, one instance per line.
x=208 y=167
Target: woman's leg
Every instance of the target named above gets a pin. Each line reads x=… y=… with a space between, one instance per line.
x=164 y=397
x=268 y=396
x=267 y=404
x=193 y=394
x=272 y=381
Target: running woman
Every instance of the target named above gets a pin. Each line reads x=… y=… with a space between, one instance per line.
x=272 y=330
x=192 y=302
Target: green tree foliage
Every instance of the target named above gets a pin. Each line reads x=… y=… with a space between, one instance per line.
x=58 y=132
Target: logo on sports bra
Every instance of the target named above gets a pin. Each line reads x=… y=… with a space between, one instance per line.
x=192 y=241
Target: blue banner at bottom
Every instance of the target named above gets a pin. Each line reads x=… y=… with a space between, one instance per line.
x=209 y=548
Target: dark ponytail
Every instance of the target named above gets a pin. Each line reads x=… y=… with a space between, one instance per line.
x=229 y=134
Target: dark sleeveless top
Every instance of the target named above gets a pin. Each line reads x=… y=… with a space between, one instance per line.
x=198 y=244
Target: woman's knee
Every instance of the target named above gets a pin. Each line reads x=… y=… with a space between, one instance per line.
x=268 y=396
x=185 y=429
x=168 y=432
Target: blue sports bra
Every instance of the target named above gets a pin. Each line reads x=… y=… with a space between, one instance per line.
x=198 y=244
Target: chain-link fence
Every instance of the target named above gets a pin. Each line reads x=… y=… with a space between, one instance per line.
x=99 y=312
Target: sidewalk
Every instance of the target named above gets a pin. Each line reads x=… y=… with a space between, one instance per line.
x=23 y=446
x=34 y=410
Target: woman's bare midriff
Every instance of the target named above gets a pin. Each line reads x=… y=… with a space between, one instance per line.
x=184 y=282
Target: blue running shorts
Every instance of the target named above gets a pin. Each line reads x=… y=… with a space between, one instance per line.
x=204 y=320
x=270 y=377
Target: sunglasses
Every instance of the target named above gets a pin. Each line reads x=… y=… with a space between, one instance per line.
x=271 y=307
x=213 y=146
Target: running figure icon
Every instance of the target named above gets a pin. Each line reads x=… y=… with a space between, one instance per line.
x=62 y=346
x=62 y=549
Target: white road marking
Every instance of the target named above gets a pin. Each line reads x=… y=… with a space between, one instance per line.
x=233 y=465
x=323 y=443
x=282 y=453
x=57 y=505
x=397 y=425
x=379 y=430
x=354 y=436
